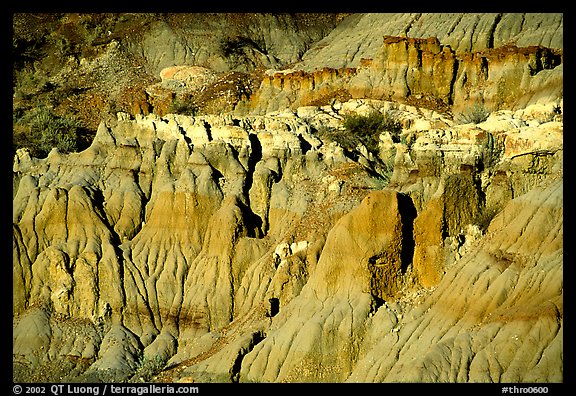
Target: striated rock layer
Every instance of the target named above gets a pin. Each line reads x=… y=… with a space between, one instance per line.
x=359 y=36
x=222 y=248
x=480 y=324
x=424 y=71
x=441 y=60
x=165 y=230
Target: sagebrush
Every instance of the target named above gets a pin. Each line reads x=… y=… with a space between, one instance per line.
x=474 y=114
x=40 y=130
x=366 y=129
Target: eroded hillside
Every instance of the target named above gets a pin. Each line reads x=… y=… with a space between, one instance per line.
x=286 y=238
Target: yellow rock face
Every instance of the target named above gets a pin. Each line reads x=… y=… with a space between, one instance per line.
x=249 y=249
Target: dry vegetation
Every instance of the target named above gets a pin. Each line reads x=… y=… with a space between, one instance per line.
x=84 y=68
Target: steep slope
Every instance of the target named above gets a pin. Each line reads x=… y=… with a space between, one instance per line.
x=448 y=62
x=282 y=236
x=85 y=67
x=121 y=234
x=219 y=245
x=359 y=36
x=495 y=316
x=480 y=324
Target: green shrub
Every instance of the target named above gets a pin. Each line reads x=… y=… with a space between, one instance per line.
x=366 y=129
x=28 y=83
x=473 y=115
x=148 y=368
x=183 y=106
x=45 y=130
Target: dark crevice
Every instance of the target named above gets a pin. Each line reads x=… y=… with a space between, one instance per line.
x=186 y=138
x=453 y=82
x=472 y=35
x=490 y=43
x=255 y=339
x=418 y=58
x=407 y=214
x=256 y=152
x=208 y=128
x=484 y=68
x=218 y=178
x=522 y=22
x=273 y=307
x=414 y=19
x=252 y=221
x=157 y=145
x=304 y=144
x=377 y=302
x=253 y=159
x=454 y=24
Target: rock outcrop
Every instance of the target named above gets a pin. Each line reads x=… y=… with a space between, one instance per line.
x=228 y=41
x=249 y=249
x=122 y=233
x=469 y=331
x=264 y=243
x=105 y=63
x=423 y=71
x=484 y=330
x=359 y=36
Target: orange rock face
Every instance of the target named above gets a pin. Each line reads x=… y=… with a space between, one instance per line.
x=423 y=70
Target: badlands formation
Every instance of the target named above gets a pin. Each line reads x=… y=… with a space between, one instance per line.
x=256 y=245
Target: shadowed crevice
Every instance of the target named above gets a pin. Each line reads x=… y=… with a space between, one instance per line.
x=407 y=214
